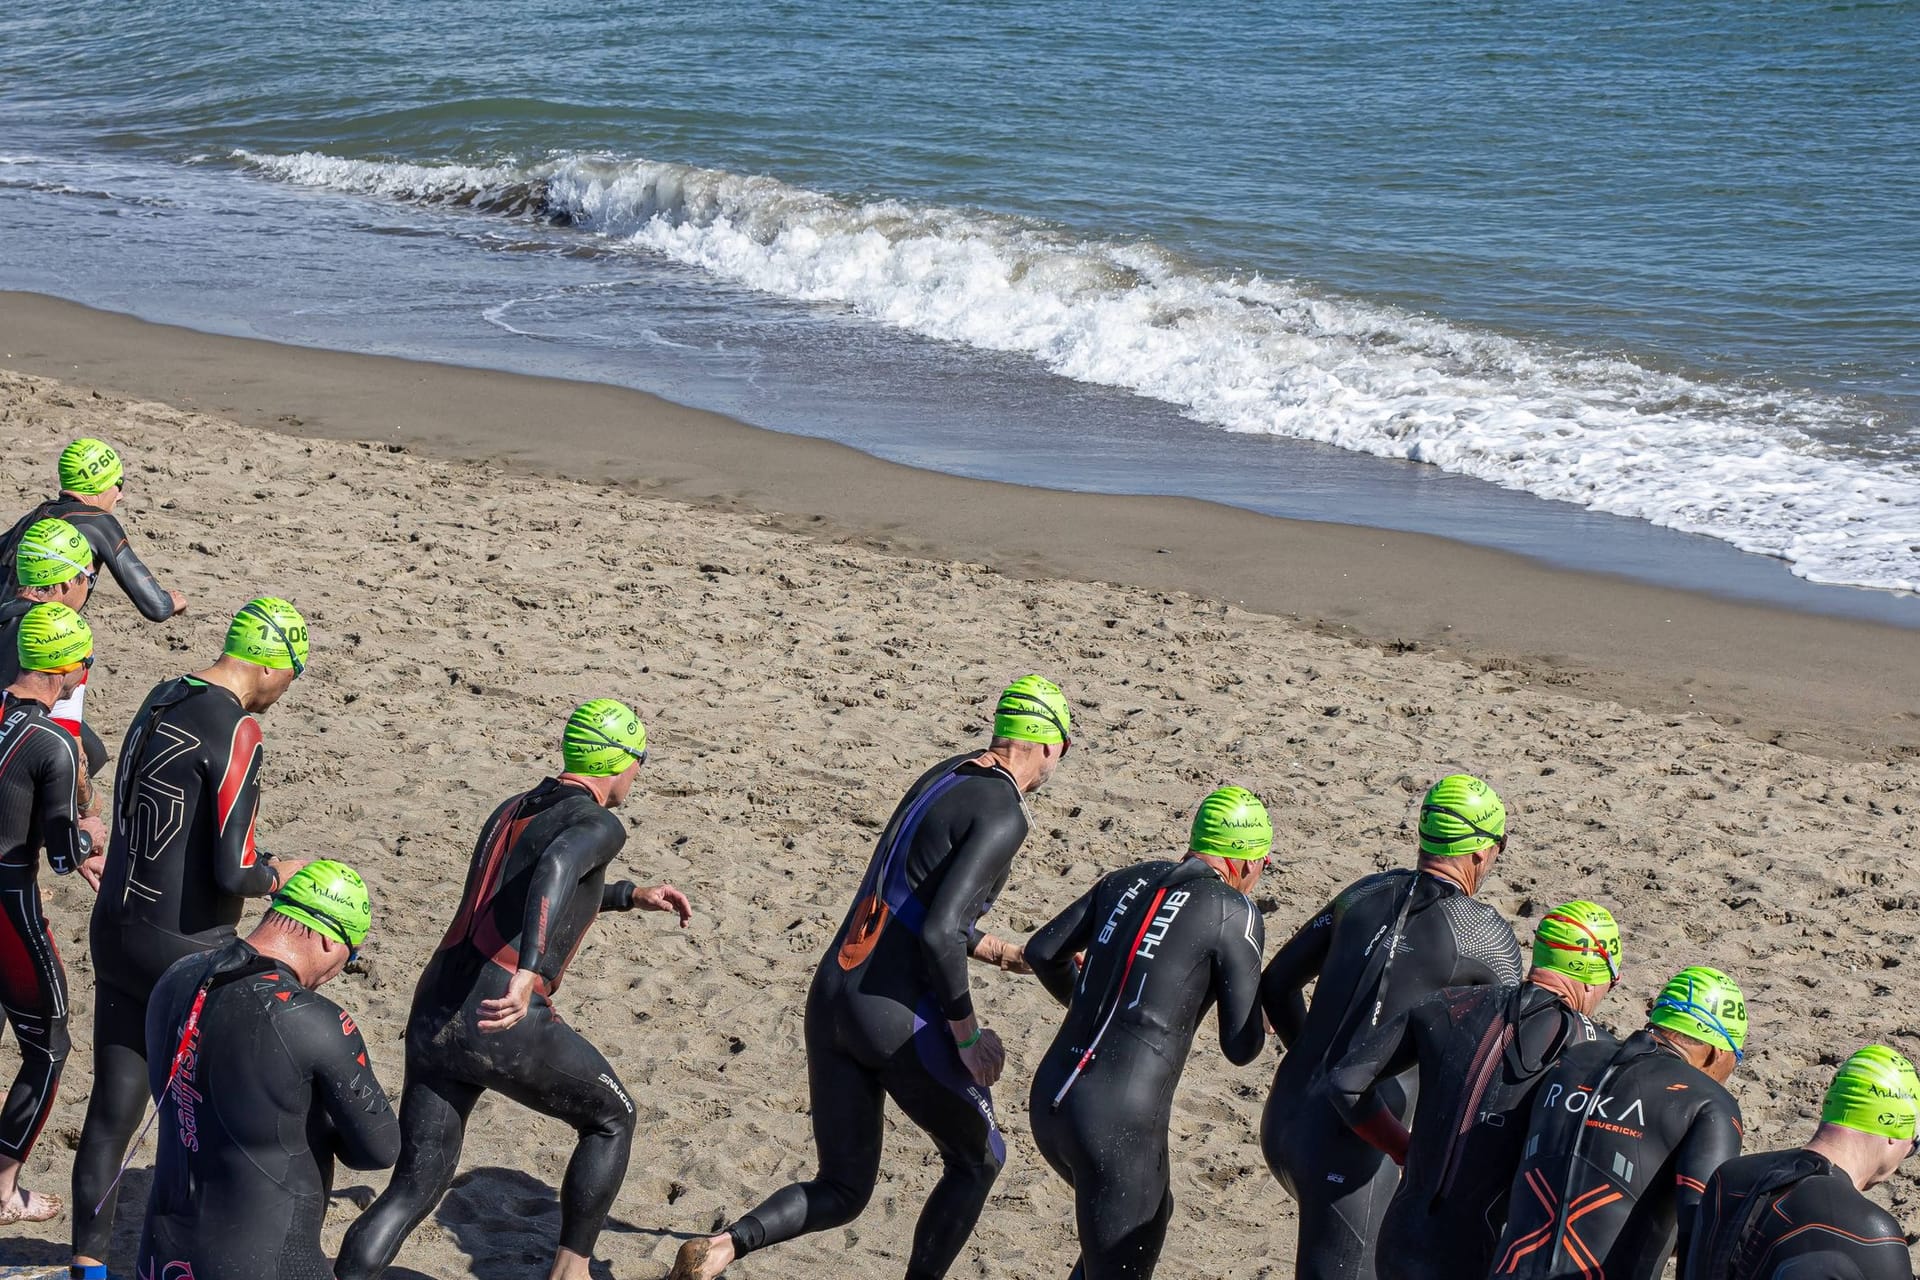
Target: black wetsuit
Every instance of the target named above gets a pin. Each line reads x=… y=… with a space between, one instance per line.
x=11 y=611
x=180 y=865
x=877 y=1014
x=273 y=1087
x=1445 y=939
x=39 y=809
x=1482 y=1053
x=1164 y=942
x=1761 y=1212
x=535 y=886
x=109 y=542
x=1619 y=1147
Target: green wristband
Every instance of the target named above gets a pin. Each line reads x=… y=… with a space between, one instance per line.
x=971 y=1040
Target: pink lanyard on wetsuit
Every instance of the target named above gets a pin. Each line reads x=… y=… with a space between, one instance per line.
x=1119 y=994
x=173 y=1073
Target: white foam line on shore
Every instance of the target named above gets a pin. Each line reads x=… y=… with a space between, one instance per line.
x=1243 y=353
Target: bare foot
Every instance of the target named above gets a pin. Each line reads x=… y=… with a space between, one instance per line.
x=702 y=1259
x=29 y=1206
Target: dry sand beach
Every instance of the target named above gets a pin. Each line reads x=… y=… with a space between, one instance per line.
x=794 y=682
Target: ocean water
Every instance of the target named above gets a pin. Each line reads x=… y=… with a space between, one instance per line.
x=1656 y=266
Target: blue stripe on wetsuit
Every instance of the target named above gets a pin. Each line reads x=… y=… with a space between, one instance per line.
x=890 y=869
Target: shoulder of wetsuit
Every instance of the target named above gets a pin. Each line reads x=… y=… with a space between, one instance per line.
x=101 y=529
x=13 y=609
x=1367 y=886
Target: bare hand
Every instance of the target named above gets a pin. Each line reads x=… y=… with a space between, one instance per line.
x=91 y=869
x=284 y=869
x=179 y=602
x=503 y=1011
x=664 y=897
x=985 y=1059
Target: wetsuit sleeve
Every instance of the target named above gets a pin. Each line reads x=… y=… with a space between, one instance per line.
x=977 y=864
x=1236 y=976
x=237 y=865
x=1050 y=952
x=1292 y=968
x=360 y=1119
x=618 y=896
x=57 y=798
x=1382 y=1054
x=109 y=542
x=1711 y=1140
x=563 y=864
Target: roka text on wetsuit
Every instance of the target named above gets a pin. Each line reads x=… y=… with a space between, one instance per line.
x=273 y=1086
x=104 y=534
x=181 y=863
x=536 y=883
x=1762 y=1212
x=1381 y=946
x=877 y=1014
x=1620 y=1144
x=1164 y=942
x=39 y=771
x=1481 y=1053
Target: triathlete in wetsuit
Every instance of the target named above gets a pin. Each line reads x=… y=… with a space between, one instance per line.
x=1164 y=941
x=481 y=1015
x=262 y=1084
x=180 y=865
x=92 y=482
x=1482 y=1053
x=890 y=1013
x=39 y=809
x=1622 y=1141
x=52 y=565
x=1383 y=945
x=1804 y=1207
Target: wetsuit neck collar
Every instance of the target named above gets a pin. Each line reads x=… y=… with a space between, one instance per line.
x=993 y=766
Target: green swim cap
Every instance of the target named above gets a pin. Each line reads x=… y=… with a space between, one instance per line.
x=1705 y=1004
x=1232 y=823
x=603 y=738
x=53 y=638
x=269 y=632
x=328 y=897
x=51 y=552
x=89 y=466
x=1461 y=815
x=1874 y=1091
x=1581 y=940
x=1032 y=709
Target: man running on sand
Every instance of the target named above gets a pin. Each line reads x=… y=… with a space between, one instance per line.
x=1163 y=941
x=1481 y=1053
x=180 y=866
x=481 y=1014
x=40 y=779
x=1623 y=1138
x=890 y=1013
x=262 y=1084
x=1386 y=943
x=53 y=565
x=92 y=482
x=1804 y=1207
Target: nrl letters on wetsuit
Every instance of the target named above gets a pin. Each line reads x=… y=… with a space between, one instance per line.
x=109 y=542
x=1619 y=1147
x=1481 y=1053
x=1762 y=1213
x=273 y=1088
x=535 y=885
x=39 y=809
x=877 y=1014
x=1440 y=937
x=1164 y=942
x=181 y=863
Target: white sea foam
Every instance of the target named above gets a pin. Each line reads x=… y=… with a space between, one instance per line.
x=1738 y=463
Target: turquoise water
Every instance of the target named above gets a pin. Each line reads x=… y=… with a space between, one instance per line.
x=1656 y=262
